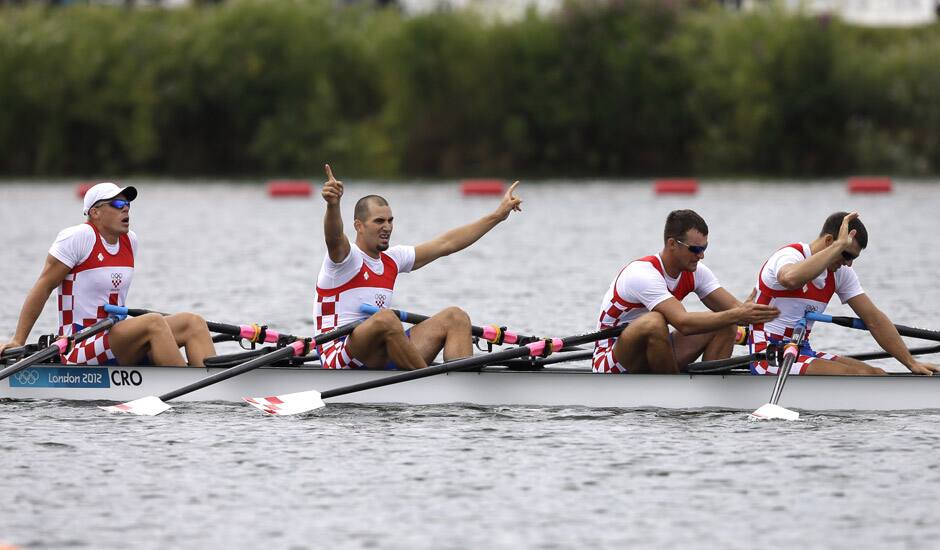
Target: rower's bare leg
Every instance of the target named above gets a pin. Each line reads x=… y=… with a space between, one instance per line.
x=644 y=346
x=191 y=332
x=450 y=329
x=841 y=365
x=133 y=339
x=381 y=338
x=716 y=344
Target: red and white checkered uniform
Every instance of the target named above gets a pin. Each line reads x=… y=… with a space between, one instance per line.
x=793 y=305
x=101 y=273
x=343 y=287
x=639 y=287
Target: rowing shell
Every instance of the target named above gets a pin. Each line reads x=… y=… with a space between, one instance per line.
x=551 y=386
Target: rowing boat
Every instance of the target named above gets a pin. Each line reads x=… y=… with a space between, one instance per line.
x=550 y=386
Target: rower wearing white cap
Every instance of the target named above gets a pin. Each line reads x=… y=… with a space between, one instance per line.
x=92 y=264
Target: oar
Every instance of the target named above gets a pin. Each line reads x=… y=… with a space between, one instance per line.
x=493 y=334
x=294 y=403
x=773 y=411
x=252 y=333
x=14 y=352
x=885 y=355
x=153 y=405
x=853 y=322
x=61 y=345
x=723 y=365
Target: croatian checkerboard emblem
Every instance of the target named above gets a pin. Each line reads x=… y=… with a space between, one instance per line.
x=380 y=300
x=116 y=279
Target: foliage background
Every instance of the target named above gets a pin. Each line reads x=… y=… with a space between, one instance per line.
x=623 y=88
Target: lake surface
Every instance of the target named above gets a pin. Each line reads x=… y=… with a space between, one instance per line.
x=212 y=475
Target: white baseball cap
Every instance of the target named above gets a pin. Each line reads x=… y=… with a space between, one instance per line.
x=106 y=191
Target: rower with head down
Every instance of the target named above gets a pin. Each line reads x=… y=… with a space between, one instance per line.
x=645 y=297
x=364 y=272
x=801 y=278
x=92 y=265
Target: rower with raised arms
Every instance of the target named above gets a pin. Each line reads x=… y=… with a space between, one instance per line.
x=364 y=272
x=92 y=264
x=803 y=277
x=646 y=297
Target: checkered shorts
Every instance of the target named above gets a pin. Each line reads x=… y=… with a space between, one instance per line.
x=605 y=362
x=94 y=350
x=772 y=344
x=333 y=355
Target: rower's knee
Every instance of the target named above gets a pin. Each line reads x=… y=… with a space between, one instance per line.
x=652 y=325
x=456 y=318
x=387 y=322
x=154 y=323
x=192 y=325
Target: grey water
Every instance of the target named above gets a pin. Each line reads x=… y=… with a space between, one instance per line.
x=215 y=475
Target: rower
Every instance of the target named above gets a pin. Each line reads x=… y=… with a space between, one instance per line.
x=802 y=277
x=364 y=272
x=645 y=297
x=92 y=264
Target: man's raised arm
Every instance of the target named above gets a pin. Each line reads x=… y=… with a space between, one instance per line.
x=337 y=244
x=462 y=237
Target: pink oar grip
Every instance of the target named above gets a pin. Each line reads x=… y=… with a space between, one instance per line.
x=271 y=336
x=247 y=332
x=298 y=346
x=538 y=348
x=792 y=351
x=62 y=344
x=491 y=333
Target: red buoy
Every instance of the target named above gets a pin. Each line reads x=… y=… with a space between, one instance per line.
x=83 y=188
x=675 y=187
x=483 y=187
x=869 y=185
x=289 y=188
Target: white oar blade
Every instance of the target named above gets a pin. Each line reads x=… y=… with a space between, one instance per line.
x=774 y=412
x=289 y=403
x=145 y=406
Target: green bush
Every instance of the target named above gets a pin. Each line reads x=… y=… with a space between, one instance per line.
x=628 y=87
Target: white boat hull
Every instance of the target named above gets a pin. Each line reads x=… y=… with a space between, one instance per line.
x=494 y=386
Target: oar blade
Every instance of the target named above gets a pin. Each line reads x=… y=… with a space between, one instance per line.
x=287 y=404
x=145 y=406
x=774 y=412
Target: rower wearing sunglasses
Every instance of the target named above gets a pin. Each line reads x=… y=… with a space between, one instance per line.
x=92 y=264
x=646 y=297
x=803 y=277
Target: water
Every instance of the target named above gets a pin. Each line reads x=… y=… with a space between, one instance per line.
x=209 y=475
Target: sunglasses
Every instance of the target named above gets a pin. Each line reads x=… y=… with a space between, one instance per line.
x=849 y=257
x=116 y=203
x=693 y=248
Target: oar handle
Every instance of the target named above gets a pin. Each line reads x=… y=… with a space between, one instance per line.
x=533 y=348
x=13 y=352
x=853 y=322
x=494 y=334
x=61 y=345
x=252 y=333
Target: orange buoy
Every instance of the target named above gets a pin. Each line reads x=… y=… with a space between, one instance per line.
x=675 y=187
x=482 y=187
x=289 y=188
x=869 y=185
x=83 y=188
